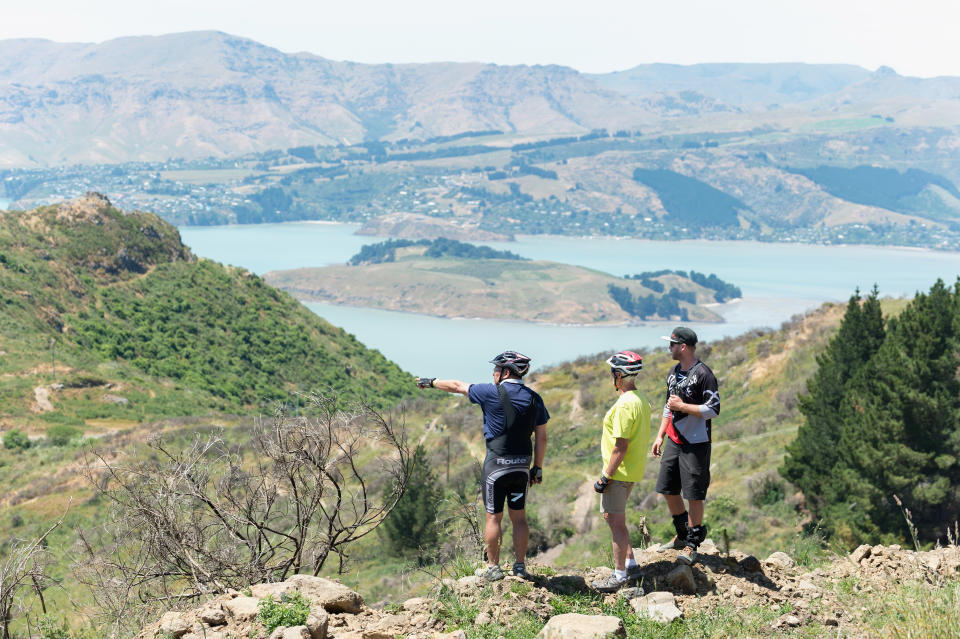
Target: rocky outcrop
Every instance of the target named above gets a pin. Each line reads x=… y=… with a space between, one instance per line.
x=660 y=591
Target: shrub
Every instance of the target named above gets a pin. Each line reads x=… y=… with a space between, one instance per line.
x=16 y=439
x=52 y=628
x=61 y=434
x=766 y=491
x=291 y=610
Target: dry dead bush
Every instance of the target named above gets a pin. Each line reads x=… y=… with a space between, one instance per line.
x=186 y=522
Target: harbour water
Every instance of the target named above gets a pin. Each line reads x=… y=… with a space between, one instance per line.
x=777 y=280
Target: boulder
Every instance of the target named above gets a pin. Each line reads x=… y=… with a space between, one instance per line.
x=682 y=579
x=213 y=615
x=781 y=560
x=660 y=606
x=173 y=624
x=750 y=564
x=333 y=596
x=293 y=632
x=416 y=603
x=861 y=553
x=576 y=626
x=242 y=608
x=317 y=622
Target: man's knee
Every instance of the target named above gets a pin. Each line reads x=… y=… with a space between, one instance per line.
x=518 y=516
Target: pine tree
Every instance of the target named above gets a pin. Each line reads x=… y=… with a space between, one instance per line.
x=901 y=428
x=812 y=457
x=411 y=528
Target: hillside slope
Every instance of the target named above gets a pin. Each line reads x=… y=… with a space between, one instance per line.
x=106 y=314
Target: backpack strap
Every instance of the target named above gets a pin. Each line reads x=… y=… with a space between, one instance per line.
x=509 y=412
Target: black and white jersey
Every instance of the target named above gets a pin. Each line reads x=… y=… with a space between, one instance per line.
x=696 y=386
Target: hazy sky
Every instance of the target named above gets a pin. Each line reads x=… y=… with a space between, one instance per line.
x=915 y=38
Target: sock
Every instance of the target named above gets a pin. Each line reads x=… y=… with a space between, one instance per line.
x=621 y=575
x=631 y=562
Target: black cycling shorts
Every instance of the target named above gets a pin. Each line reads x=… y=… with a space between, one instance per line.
x=686 y=467
x=505 y=478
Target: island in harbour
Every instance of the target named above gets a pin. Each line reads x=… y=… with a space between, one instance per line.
x=452 y=279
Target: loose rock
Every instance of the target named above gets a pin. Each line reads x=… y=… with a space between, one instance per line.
x=576 y=626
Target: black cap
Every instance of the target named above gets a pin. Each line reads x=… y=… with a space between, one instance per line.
x=682 y=335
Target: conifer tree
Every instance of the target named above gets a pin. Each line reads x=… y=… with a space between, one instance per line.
x=901 y=428
x=411 y=528
x=813 y=456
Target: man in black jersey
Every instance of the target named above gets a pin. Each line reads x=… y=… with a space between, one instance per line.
x=693 y=400
x=512 y=413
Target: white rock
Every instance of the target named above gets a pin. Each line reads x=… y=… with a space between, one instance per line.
x=861 y=553
x=293 y=632
x=576 y=626
x=242 y=608
x=317 y=622
x=416 y=603
x=780 y=559
x=172 y=623
x=659 y=606
x=334 y=597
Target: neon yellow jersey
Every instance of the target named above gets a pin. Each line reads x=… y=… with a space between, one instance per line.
x=628 y=418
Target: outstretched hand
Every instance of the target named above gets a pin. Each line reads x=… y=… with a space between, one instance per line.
x=425 y=382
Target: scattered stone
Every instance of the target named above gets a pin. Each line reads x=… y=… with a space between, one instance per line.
x=807 y=586
x=831 y=621
x=861 y=553
x=576 y=626
x=682 y=579
x=456 y=634
x=213 y=616
x=781 y=559
x=293 y=632
x=659 y=606
x=242 y=608
x=173 y=624
x=708 y=548
x=482 y=619
x=750 y=564
x=631 y=593
x=333 y=596
x=416 y=603
x=787 y=621
x=317 y=622
x=737 y=591
x=470 y=582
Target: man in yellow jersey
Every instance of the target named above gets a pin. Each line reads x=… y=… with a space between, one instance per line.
x=623 y=446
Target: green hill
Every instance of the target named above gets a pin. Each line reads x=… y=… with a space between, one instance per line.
x=106 y=315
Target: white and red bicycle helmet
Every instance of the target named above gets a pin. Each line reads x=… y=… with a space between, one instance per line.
x=627 y=363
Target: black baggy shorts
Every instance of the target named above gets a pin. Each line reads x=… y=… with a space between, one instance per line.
x=505 y=478
x=684 y=467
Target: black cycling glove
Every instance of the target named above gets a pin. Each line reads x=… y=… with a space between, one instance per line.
x=536 y=475
x=425 y=382
x=601 y=485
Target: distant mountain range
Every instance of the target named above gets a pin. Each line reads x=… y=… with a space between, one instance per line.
x=204 y=94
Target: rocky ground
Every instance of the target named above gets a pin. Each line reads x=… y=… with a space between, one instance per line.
x=662 y=591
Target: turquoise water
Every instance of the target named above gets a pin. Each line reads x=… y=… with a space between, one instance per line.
x=778 y=281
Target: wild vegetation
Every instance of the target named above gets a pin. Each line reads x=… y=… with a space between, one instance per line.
x=440 y=247
x=877 y=456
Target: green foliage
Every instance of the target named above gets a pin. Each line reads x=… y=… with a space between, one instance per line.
x=766 y=491
x=882 y=424
x=16 y=439
x=690 y=201
x=875 y=186
x=813 y=455
x=440 y=247
x=722 y=291
x=291 y=610
x=62 y=434
x=647 y=306
x=52 y=628
x=411 y=528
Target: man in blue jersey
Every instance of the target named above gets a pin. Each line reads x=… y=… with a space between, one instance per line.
x=512 y=413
